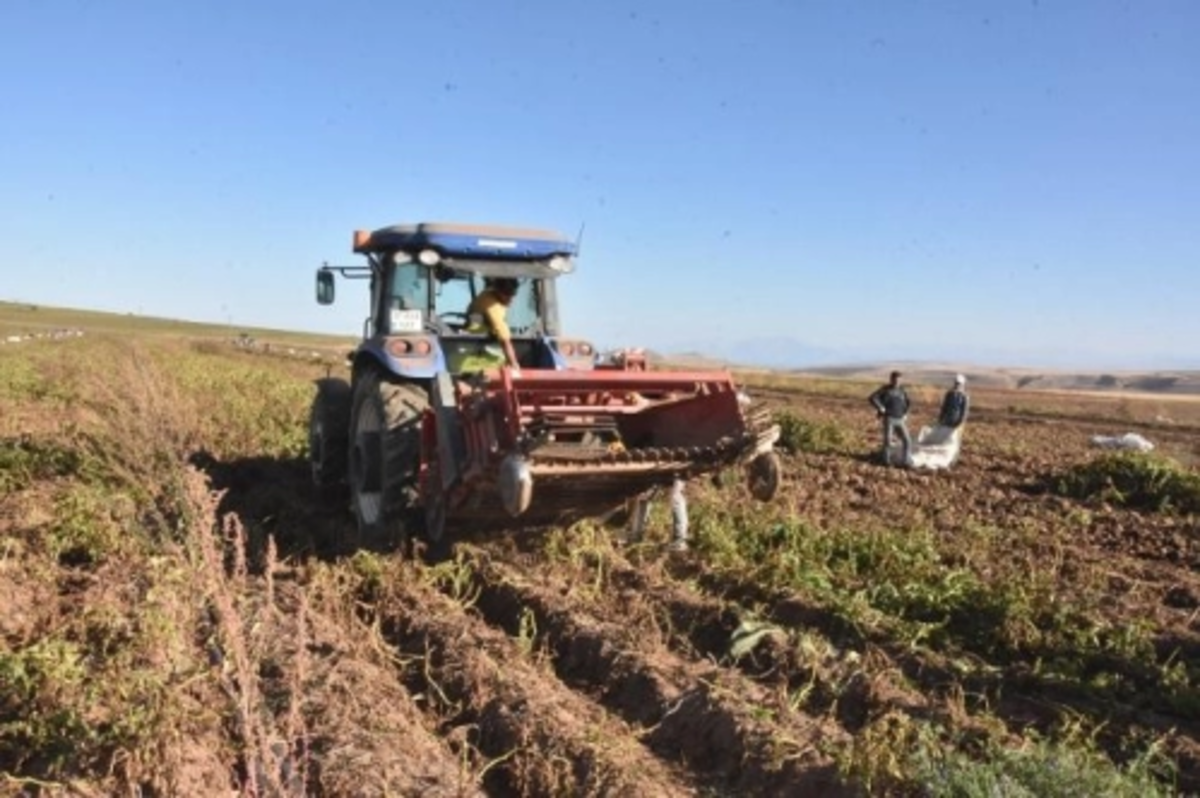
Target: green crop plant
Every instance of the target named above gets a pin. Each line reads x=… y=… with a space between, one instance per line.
x=90 y=524
x=26 y=460
x=458 y=580
x=898 y=754
x=1065 y=767
x=922 y=589
x=798 y=435
x=42 y=702
x=19 y=379
x=1134 y=479
x=248 y=409
x=527 y=631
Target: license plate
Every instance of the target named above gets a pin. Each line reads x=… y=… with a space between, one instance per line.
x=406 y=321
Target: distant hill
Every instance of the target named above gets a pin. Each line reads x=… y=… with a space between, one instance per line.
x=1180 y=382
x=23 y=317
x=1183 y=383
x=787 y=353
x=1042 y=373
x=688 y=360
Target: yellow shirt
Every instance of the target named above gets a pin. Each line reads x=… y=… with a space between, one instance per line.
x=490 y=311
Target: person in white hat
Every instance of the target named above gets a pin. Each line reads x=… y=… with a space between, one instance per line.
x=955 y=404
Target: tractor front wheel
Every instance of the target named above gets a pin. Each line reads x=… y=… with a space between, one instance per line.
x=329 y=436
x=385 y=453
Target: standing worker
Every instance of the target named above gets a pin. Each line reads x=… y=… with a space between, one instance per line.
x=955 y=404
x=891 y=405
x=679 y=516
x=953 y=417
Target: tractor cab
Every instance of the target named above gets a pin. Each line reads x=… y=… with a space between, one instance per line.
x=424 y=280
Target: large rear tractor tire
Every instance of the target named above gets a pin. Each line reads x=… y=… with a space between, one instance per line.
x=385 y=453
x=329 y=437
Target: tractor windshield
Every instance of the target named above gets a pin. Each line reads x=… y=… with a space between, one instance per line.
x=449 y=295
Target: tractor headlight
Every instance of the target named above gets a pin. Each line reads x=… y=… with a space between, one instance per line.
x=429 y=257
x=561 y=264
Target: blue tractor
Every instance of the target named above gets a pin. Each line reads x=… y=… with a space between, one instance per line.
x=436 y=431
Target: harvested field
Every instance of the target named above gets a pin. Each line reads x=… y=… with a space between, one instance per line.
x=182 y=616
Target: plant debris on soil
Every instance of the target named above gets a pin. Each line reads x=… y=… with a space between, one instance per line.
x=182 y=614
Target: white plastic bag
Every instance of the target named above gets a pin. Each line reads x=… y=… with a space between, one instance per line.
x=1129 y=442
x=936 y=447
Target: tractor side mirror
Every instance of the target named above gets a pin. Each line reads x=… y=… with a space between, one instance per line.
x=325 y=290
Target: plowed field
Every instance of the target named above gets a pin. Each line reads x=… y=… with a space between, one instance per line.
x=180 y=614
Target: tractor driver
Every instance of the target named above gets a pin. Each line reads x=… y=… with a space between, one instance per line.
x=487 y=315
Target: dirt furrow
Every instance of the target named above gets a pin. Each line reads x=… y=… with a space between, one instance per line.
x=737 y=735
x=1011 y=692
x=364 y=732
x=540 y=737
x=316 y=706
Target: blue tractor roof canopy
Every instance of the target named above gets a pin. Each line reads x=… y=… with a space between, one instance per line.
x=453 y=240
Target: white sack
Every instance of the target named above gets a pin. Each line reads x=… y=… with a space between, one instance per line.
x=1129 y=442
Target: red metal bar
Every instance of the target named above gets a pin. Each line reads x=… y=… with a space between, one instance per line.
x=608 y=380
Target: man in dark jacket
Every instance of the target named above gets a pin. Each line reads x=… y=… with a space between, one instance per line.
x=891 y=404
x=955 y=404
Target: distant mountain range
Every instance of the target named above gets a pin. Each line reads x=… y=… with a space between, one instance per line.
x=1181 y=383
x=780 y=352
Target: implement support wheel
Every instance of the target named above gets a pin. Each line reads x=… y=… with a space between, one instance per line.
x=764 y=476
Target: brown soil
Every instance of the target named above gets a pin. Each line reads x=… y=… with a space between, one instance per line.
x=546 y=686
x=311 y=671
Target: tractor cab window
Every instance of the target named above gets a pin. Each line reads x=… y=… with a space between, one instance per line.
x=453 y=295
x=424 y=298
x=523 y=312
x=410 y=288
x=408 y=305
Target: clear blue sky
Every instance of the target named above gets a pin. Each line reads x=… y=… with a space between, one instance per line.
x=1012 y=180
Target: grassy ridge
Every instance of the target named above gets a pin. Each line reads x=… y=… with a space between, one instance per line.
x=19 y=318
